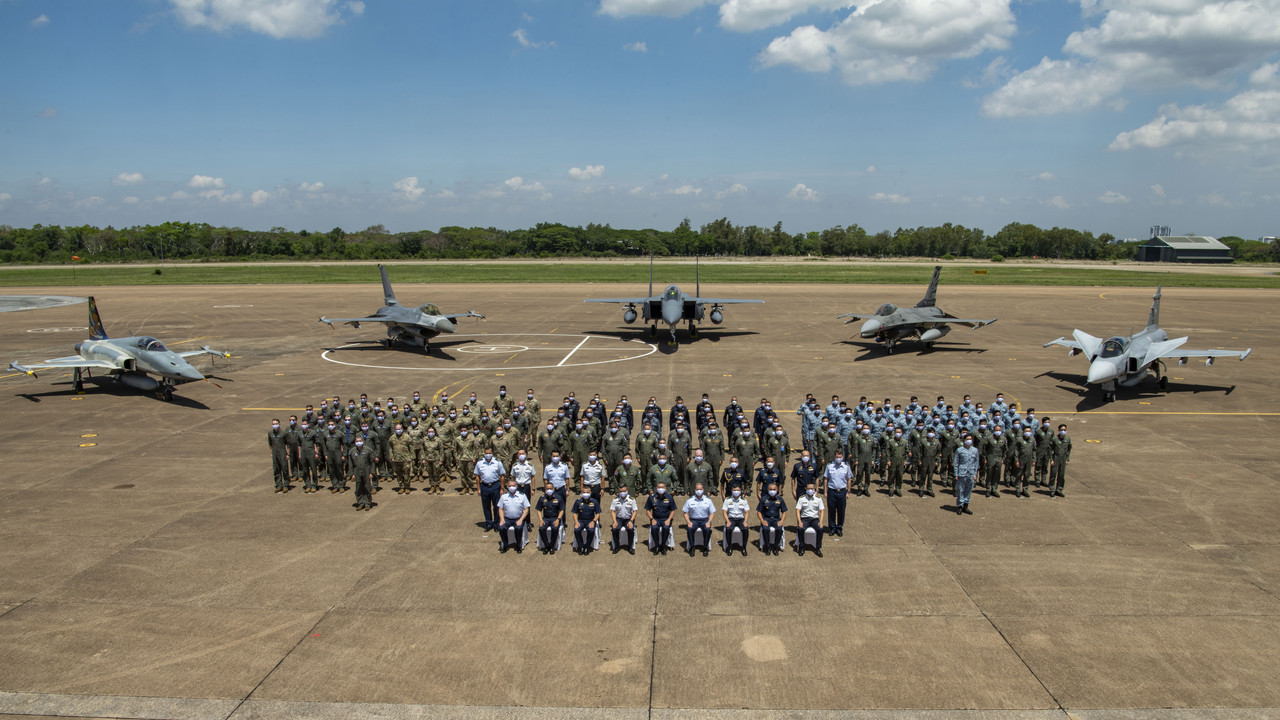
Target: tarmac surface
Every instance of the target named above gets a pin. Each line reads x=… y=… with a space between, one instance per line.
x=151 y=572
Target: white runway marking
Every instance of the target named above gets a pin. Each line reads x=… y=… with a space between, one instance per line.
x=571 y=352
x=634 y=349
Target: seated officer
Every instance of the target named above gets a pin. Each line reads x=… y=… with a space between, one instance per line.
x=735 y=516
x=552 y=509
x=624 y=509
x=586 y=514
x=811 y=510
x=514 y=508
x=772 y=511
x=660 y=507
x=698 y=510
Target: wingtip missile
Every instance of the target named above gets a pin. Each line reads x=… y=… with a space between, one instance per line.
x=326 y=321
x=23 y=370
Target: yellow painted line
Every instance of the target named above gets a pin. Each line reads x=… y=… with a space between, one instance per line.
x=11 y=375
x=1093 y=441
x=1103 y=296
x=77 y=398
x=555 y=328
x=89 y=435
x=513 y=357
x=278 y=409
x=87 y=444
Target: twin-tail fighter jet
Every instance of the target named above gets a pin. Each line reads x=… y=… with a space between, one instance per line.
x=413 y=327
x=132 y=360
x=673 y=306
x=926 y=320
x=1127 y=360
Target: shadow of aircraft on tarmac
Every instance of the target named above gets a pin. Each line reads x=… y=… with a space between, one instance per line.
x=108 y=386
x=1091 y=399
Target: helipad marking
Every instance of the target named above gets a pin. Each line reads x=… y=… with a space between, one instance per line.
x=224 y=307
x=57 y=329
x=562 y=363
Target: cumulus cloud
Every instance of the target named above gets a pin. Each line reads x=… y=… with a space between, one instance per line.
x=259 y=197
x=407 y=189
x=1111 y=197
x=39 y=21
x=891 y=40
x=92 y=201
x=537 y=188
x=128 y=178
x=276 y=18
x=637 y=46
x=314 y=187
x=44 y=182
x=685 y=190
x=1158 y=190
x=665 y=8
x=734 y=189
x=205 y=181
x=637 y=190
x=522 y=36
x=1248 y=120
x=751 y=15
x=1046 y=175
x=1057 y=201
x=48 y=113
x=1146 y=44
x=1215 y=198
x=803 y=192
x=871 y=170
x=586 y=173
x=131 y=200
x=446 y=194
x=894 y=198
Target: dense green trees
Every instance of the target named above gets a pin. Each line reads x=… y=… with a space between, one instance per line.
x=201 y=241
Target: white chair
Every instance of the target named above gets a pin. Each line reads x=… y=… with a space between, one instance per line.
x=595 y=538
x=559 y=540
x=517 y=536
x=733 y=536
x=653 y=536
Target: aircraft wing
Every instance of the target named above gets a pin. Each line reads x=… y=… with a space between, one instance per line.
x=467 y=314
x=1083 y=343
x=975 y=324
x=626 y=300
x=854 y=317
x=65 y=363
x=1173 y=348
x=206 y=350
x=720 y=301
x=355 y=322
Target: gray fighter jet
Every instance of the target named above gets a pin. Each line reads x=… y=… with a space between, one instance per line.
x=1128 y=360
x=672 y=306
x=410 y=326
x=926 y=321
x=132 y=360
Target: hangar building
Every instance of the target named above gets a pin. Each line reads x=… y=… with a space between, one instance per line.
x=1184 y=248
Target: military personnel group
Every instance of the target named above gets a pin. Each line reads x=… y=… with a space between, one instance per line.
x=523 y=459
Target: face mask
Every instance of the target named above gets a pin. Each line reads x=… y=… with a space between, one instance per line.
x=999 y=433
x=713 y=431
x=305 y=426
x=400 y=431
x=932 y=436
x=364 y=428
x=555 y=461
x=1062 y=433
x=431 y=435
x=453 y=416
x=346 y=422
x=662 y=446
x=464 y=433
x=737 y=493
x=698 y=493
x=502 y=393
x=359 y=443
x=897 y=436
x=333 y=427
x=866 y=432
x=698 y=460
x=520 y=458
x=591 y=458
x=805 y=459
x=810 y=493
x=293 y=422
x=488 y=456
x=662 y=491
x=951 y=427
x=549 y=491
x=275 y=426
x=613 y=430
x=733 y=465
x=968 y=443
x=511 y=489
x=586 y=495
x=550 y=428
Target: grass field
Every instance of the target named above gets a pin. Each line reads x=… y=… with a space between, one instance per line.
x=483 y=271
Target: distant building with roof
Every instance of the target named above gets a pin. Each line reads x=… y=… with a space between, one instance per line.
x=1184 y=248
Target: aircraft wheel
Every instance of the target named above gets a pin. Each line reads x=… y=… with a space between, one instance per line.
x=78 y=386
x=693 y=331
x=653 y=330
x=166 y=393
x=889 y=349
x=1163 y=382
x=928 y=346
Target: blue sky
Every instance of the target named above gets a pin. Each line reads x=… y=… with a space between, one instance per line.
x=1105 y=115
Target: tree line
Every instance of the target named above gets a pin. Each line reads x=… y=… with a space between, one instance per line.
x=201 y=241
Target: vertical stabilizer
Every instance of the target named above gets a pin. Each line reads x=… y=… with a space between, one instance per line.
x=931 y=295
x=388 y=295
x=650 y=274
x=1153 y=320
x=96 y=331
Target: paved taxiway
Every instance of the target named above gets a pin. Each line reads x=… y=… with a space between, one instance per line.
x=149 y=570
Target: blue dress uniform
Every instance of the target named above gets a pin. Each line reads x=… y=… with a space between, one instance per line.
x=771 y=509
x=661 y=507
x=587 y=512
x=838 y=475
x=489 y=472
x=512 y=506
x=966 y=465
x=732 y=478
x=700 y=510
x=558 y=473
x=550 y=505
x=803 y=473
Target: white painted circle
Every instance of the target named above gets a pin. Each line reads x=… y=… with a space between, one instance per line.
x=57 y=329
x=569 y=359
x=224 y=307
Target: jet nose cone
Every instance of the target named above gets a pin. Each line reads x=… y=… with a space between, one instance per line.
x=870 y=328
x=671 y=313
x=189 y=373
x=445 y=325
x=1101 y=370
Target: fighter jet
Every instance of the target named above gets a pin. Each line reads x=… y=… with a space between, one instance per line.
x=926 y=321
x=132 y=360
x=672 y=306
x=1128 y=360
x=410 y=326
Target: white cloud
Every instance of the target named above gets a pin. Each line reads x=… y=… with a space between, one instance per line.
x=490 y=193
x=39 y=21
x=685 y=190
x=586 y=173
x=131 y=200
x=1046 y=175
x=44 y=182
x=179 y=195
x=128 y=178
x=665 y=8
x=637 y=190
x=204 y=181
x=663 y=177
x=5 y=197
x=407 y=189
x=517 y=183
x=1144 y=44
x=48 y=113
x=446 y=194
x=1111 y=197
x=1158 y=190
x=894 y=198
x=314 y=187
x=734 y=189
x=1056 y=201
x=259 y=197
x=1215 y=198
x=522 y=36
x=1250 y=120
x=890 y=40
x=91 y=202
x=1265 y=75
x=514 y=182
x=803 y=192
x=277 y=18
x=871 y=170
x=750 y=15
x=638 y=46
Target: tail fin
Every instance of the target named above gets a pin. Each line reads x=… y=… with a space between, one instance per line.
x=650 y=274
x=931 y=295
x=697 y=277
x=96 y=331
x=388 y=295
x=1153 y=320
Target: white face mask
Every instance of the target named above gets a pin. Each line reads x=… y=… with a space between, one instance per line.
x=627 y=462
x=698 y=493
x=1062 y=433
x=662 y=491
x=698 y=459
x=733 y=465
x=511 y=489
x=359 y=443
x=623 y=494
x=662 y=461
x=275 y=426
x=647 y=431
x=555 y=461
x=549 y=491
x=591 y=458
x=810 y=493
x=737 y=493
x=769 y=465
x=488 y=456
x=520 y=458
x=968 y=443
x=773 y=493
x=586 y=496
